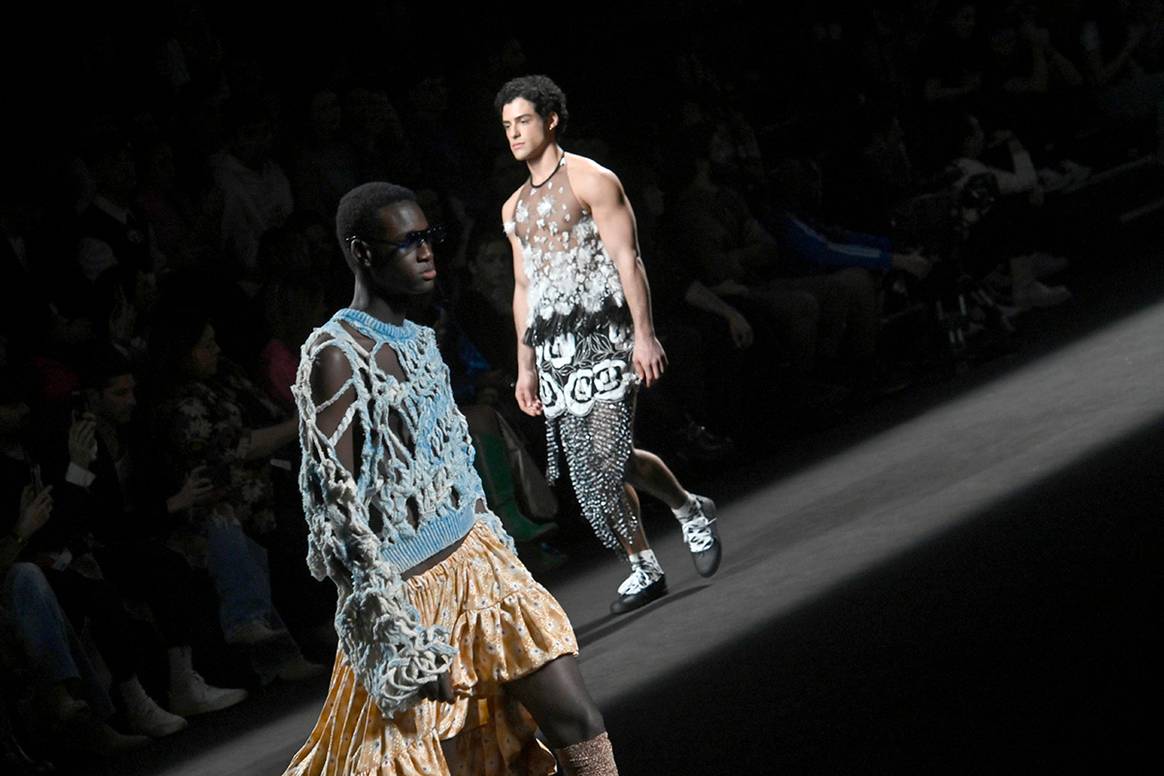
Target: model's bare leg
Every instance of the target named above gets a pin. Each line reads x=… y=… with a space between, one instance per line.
x=637 y=541
x=557 y=698
x=696 y=514
x=646 y=471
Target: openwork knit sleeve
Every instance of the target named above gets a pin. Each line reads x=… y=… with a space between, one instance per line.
x=389 y=649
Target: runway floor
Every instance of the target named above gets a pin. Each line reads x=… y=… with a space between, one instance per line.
x=961 y=580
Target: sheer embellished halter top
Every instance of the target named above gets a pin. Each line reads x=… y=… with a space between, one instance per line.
x=573 y=283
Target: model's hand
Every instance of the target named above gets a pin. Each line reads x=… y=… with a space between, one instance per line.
x=741 y=330
x=440 y=690
x=525 y=390
x=649 y=359
x=83 y=441
x=35 y=509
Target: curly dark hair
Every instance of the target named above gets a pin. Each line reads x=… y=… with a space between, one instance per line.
x=357 y=212
x=545 y=95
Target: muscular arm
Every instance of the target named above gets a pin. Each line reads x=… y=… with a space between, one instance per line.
x=526 y=389
x=600 y=191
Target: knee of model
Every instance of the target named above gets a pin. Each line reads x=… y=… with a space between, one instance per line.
x=579 y=721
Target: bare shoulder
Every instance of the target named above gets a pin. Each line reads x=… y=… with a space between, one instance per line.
x=510 y=206
x=591 y=181
x=330 y=370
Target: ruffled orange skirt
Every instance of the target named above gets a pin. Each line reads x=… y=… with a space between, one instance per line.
x=504 y=625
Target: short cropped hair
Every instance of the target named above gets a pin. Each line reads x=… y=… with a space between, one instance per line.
x=357 y=213
x=545 y=95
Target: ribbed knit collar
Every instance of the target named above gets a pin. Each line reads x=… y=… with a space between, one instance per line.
x=383 y=329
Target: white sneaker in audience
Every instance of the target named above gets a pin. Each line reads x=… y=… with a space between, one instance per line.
x=1035 y=294
x=1044 y=264
x=146 y=717
x=193 y=696
x=253 y=632
x=298 y=668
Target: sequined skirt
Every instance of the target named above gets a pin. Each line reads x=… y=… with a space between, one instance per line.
x=587 y=386
x=505 y=626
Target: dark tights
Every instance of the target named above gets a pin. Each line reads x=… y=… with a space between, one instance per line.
x=557 y=698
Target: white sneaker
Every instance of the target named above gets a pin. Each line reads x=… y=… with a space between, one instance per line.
x=1044 y=264
x=1035 y=294
x=253 y=632
x=146 y=717
x=641 y=577
x=702 y=538
x=646 y=583
x=194 y=696
x=298 y=668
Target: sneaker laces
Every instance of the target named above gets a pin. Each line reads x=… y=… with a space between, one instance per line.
x=641 y=577
x=697 y=533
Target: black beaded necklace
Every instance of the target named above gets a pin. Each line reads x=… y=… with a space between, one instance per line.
x=558 y=166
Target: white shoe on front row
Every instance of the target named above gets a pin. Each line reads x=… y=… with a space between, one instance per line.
x=146 y=717
x=194 y=696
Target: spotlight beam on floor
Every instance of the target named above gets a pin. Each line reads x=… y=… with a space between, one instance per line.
x=792 y=542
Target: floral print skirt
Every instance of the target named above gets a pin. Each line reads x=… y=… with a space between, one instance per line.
x=505 y=626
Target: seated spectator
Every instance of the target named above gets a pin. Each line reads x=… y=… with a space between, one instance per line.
x=950 y=68
x=711 y=228
x=256 y=193
x=41 y=305
x=1010 y=234
x=383 y=150
x=842 y=269
x=185 y=221
x=871 y=179
x=325 y=166
x=293 y=304
x=953 y=57
x=1031 y=85
x=210 y=418
x=59 y=548
x=40 y=642
x=1118 y=40
x=113 y=230
x=110 y=487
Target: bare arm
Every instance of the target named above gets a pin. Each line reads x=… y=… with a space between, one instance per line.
x=933 y=91
x=372 y=600
x=701 y=297
x=1037 y=80
x=265 y=441
x=1102 y=72
x=526 y=387
x=601 y=192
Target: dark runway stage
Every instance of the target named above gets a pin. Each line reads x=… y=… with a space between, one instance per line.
x=960 y=580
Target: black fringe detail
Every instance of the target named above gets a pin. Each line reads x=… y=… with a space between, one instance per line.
x=578 y=321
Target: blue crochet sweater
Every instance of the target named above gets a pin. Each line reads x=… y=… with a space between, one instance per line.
x=429 y=465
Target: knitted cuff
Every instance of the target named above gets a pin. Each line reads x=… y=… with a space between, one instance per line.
x=593 y=757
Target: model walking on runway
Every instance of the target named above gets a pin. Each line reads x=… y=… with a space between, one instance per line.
x=586 y=337
x=451 y=655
